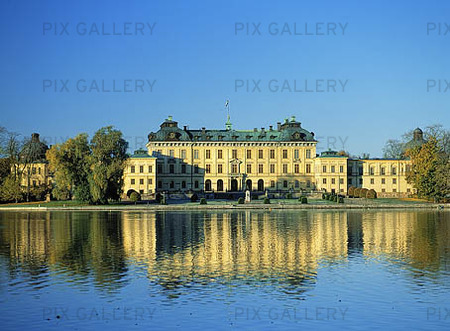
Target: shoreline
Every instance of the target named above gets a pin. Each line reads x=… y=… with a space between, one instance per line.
x=277 y=206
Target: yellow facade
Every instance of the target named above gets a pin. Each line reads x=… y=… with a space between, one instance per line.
x=34 y=174
x=140 y=176
x=227 y=166
x=331 y=173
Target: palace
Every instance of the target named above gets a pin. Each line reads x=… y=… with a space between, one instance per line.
x=274 y=159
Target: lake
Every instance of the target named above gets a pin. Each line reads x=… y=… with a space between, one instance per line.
x=242 y=269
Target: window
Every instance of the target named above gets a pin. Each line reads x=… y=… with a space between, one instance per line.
x=141 y=191
x=297 y=168
x=219 y=154
x=196 y=169
x=260 y=168
x=272 y=153
x=372 y=172
x=234 y=154
x=141 y=181
x=360 y=181
x=341 y=180
x=308 y=153
x=383 y=181
x=171 y=153
x=383 y=171
x=350 y=181
x=296 y=154
x=249 y=168
x=308 y=183
x=132 y=170
x=308 y=168
x=183 y=168
x=172 y=184
x=272 y=183
x=219 y=169
x=33 y=171
x=183 y=184
x=150 y=181
x=372 y=181
x=159 y=184
x=394 y=190
x=160 y=168
x=249 y=153
x=394 y=170
x=171 y=168
x=272 y=168
x=141 y=169
x=383 y=190
x=332 y=168
x=150 y=169
x=285 y=154
x=260 y=154
x=324 y=169
x=408 y=168
x=394 y=180
x=324 y=181
x=133 y=181
x=333 y=181
x=208 y=154
x=285 y=183
x=208 y=168
x=234 y=169
x=39 y=171
x=195 y=153
x=341 y=168
x=183 y=154
x=285 y=168
x=196 y=184
x=408 y=190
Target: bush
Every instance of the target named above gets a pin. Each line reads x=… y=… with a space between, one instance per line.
x=351 y=192
x=203 y=201
x=335 y=198
x=324 y=196
x=134 y=196
x=303 y=200
x=266 y=200
x=341 y=200
x=363 y=193
x=194 y=197
x=241 y=201
x=289 y=195
x=371 y=194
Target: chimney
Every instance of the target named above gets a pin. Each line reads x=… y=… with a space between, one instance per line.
x=255 y=130
x=185 y=128
x=278 y=126
x=270 y=128
x=203 y=130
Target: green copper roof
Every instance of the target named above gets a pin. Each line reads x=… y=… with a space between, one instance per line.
x=288 y=131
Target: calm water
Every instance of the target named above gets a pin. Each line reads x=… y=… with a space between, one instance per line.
x=202 y=270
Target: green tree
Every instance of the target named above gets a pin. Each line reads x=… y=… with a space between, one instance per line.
x=70 y=164
x=10 y=190
x=107 y=164
x=425 y=160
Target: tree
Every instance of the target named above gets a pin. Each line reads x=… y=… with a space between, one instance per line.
x=70 y=164
x=10 y=190
x=424 y=165
x=394 y=149
x=107 y=164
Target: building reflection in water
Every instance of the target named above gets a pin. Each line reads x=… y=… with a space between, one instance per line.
x=285 y=249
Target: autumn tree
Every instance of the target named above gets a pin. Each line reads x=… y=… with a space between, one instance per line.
x=107 y=164
x=70 y=164
x=424 y=165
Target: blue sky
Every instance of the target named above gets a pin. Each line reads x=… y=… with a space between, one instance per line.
x=196 y=56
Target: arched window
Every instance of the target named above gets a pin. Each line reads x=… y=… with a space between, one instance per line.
x=208 y=185
x=220 y=185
